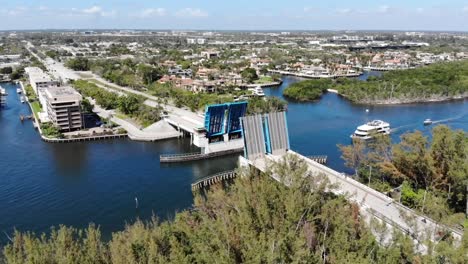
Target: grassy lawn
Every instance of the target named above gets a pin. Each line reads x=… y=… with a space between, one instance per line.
x=36 y=108
x=264 y=79
x=30 y=93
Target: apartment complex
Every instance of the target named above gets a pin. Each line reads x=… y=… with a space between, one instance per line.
x=40 y=81
x=63 y=107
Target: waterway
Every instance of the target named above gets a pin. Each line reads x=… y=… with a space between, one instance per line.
x=315 y=128
x=43 y=185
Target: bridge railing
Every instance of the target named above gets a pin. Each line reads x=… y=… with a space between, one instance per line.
x=190 y=154
x=377 y=194
x=229 y=172
x=213 y=178
x=196 y=155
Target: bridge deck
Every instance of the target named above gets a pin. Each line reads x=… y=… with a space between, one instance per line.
x=374 y=202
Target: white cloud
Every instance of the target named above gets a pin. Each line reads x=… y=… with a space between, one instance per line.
x=93 y=10
x=111 y=13
x=19 y=10
x=465 y=9
x=42 y=8
x=191 y=12
x=384 y=9
x=150 y=12
x=96 y=11
x=344 y=11
x=419 y=10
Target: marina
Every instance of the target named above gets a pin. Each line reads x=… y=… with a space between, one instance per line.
x=317 y=76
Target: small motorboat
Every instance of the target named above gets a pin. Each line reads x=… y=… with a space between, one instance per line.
x=22 y=99
x=427 y=122
x=18 y=90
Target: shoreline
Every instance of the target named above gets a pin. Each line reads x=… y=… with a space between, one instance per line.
x=405 y=101
x=401 y=101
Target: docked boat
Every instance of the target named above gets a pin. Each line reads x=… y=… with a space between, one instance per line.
x=18 y=90
x=427 y=122
x=257 y=91
x=3 y=95
x=369 y=129
x=22 y=99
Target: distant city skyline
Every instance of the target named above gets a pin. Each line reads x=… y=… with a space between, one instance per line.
x=449 y=15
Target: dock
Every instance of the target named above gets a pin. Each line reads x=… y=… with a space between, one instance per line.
x=322 y=159
x=322 y=76
x=82 y=139
x=213 y=179
x=184 y=157
x=264 y=85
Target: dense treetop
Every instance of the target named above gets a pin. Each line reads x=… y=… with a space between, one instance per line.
x=433 y=82
x=308 y=90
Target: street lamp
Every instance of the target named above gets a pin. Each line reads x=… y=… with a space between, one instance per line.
x=370 y=174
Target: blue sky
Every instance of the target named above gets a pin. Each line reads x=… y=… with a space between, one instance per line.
x=236 y=14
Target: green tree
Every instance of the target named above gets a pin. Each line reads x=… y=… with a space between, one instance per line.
x=6 y=70
x=354 y=155
x=78 y=64
x=128 y=104
x=249 y=74
x=307 y=90
x=149 y=73
x=86 y=106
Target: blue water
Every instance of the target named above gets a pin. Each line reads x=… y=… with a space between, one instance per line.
x=45 y=184
x=316 y=128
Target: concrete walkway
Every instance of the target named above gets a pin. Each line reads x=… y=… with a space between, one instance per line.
x=157 y=131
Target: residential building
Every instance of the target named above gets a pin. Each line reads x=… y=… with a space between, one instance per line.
x=199 y=41
x=40 y=81
x=64 y=107
x=178 y=71
x=210 y=54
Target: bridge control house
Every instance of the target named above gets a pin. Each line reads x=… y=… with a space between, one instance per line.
x=222 y=130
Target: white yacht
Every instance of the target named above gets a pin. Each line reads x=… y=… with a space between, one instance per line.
x=257 y=91
x=427 y=122
x=3 y=95
x=18 y=90
x=374 y=127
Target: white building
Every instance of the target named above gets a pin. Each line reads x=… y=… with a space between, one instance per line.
x=209 y=54
x=199 y=41
x=40 y=81
x=64 y=107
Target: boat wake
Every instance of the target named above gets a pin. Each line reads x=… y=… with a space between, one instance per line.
x=396 y=129
x=449 y=119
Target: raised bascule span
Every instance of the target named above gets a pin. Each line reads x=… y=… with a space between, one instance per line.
x=267 y=142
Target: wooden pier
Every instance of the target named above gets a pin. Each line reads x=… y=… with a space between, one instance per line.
x=168 y=158
x=213 y=179
x=322 y=159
